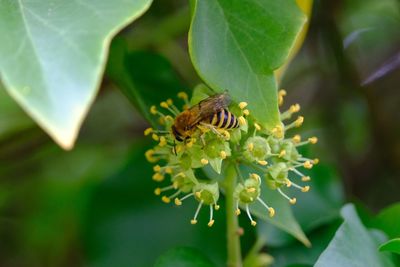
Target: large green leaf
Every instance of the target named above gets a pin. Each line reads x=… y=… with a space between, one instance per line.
x=236 y=46
x=387 y=220
x=353 y=245
x=146 y=78
x=53 y=55
x=283 y=218
x=392 y=246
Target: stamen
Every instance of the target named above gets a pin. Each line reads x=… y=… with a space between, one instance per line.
x=182 y=199
x=148 y=131
x=270 y=210
x=262 y=162
x=174 y=194
x=296 y=139
x=204 y=161
x=307 y=165
x=278 y=131
x=250 y=147
x=158 y=177
x=255 y=176
x=257 y=126
x=242 y=105
x=165 y=105
x=282 y=153
x=242 y=121
x=313 y=140
x=291 y=200
x=237 y=211
x=153 y=110
x=157 y=168
x=297 y=123
x=246 y=112
x=253 y=223
x=194 y=220
x=155 y=137
x=166 y=199
x=222 y=154
x=306 y=178
x=303 y=189
x=211 y=221
x=281 y=94
x=163 y=141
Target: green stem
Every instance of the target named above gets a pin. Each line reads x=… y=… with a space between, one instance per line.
x=232 y=224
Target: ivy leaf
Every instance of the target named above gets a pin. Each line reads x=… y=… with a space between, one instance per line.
x=54 y=54
x=146 y=78
x=353 y=245
x=387 y=220
x=283 y=218
x=392 y=246
x=237 y=45
x=182 y=257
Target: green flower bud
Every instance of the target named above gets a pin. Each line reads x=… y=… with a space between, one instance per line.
x=278 y=171
x=256 y=149
x=206 y=193
x=214 y=147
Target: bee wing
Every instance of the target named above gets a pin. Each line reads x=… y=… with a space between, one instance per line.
x=208 y=107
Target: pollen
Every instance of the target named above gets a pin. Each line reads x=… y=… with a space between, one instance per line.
x=257 y=126
x=204 y=161
x=271 y=212
x=193 y=221
x=282 y=153
x=168 y=170
x=250 y=146
x=163 y=141
x=177 y=202
x=246 y=112
x=237 y=212
x=189 y=144
x=293 y=201
x=198 y=194
x=305 y=178
x=182 y=95
x=148 y=131
x=222 y=154
x=157 y=191
x=307 y=164
x=170 y=102
x=305 y=189
x=313 y=140
x=281 y=94
x=253 y=223
x=149 y=155
x=278 y=131
x=210 y=223
x=164 y=104
x=153 y=110
x=294 y=108
x=299 y=121
x=216 y=207
x=251 y=190
x=242 y=120
x=296 y=139
x=242 y=105
x=158 y=177
x=315 y=161
x=255 y=176
x=227 y=135
x=288 y=183
x=155 y=137
x=262 y=162
x=166 y=199
x=157 y=168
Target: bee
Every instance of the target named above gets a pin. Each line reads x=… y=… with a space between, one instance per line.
x=211 y=112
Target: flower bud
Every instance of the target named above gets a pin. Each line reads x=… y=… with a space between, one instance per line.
x=206 y=193
x=256 y=149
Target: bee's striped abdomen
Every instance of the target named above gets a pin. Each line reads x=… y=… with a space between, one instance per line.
x=224 y=120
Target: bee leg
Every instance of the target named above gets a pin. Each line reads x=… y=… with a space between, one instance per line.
x=212 y=128
x=203 y=141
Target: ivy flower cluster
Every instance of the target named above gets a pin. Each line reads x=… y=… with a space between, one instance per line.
x=270 y=155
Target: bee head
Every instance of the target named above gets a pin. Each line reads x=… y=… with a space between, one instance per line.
x=176 y=134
